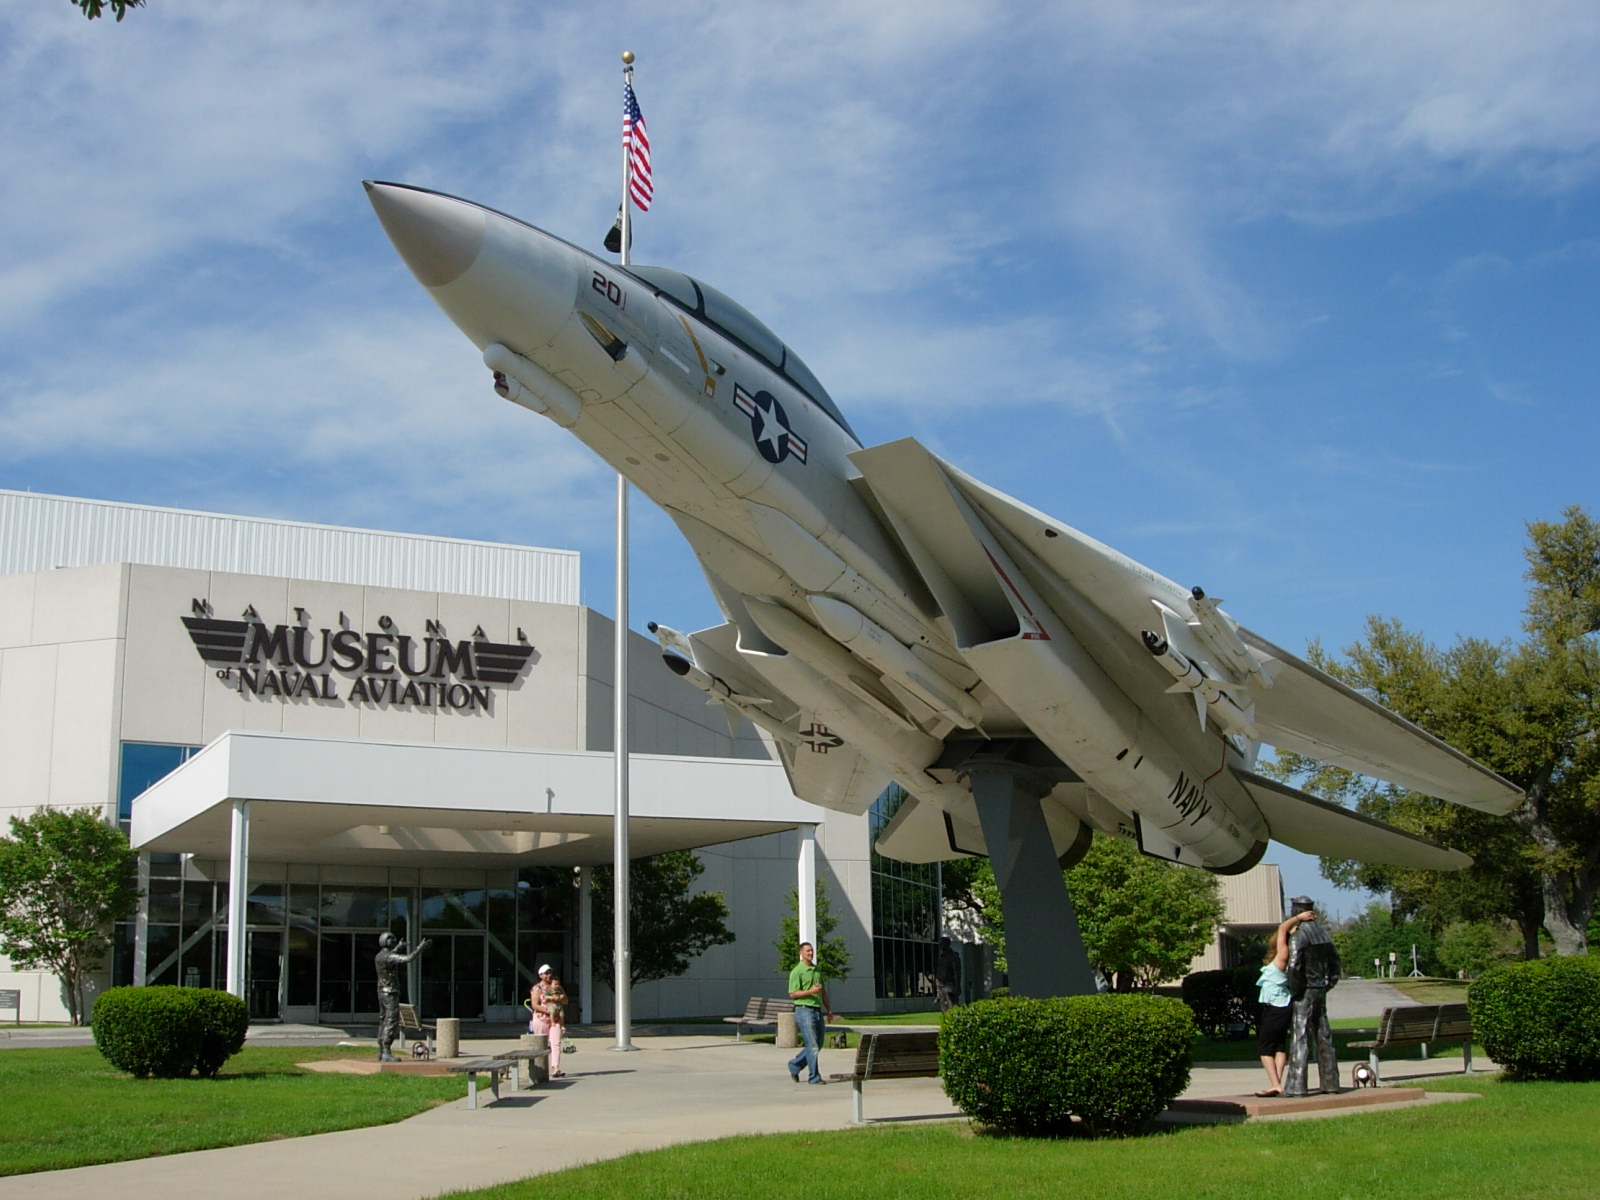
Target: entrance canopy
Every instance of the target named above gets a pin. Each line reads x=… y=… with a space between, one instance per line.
x=335 y=801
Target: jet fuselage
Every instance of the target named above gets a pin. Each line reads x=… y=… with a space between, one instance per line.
x=882 y=601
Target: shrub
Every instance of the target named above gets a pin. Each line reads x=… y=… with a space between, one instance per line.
x=1540 y=1019
x=148 y=1031
x=224 y=1020
x=1029 y=1066
x=1226 y=1003
x=167 y=1032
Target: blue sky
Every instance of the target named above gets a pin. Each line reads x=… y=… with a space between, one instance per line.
x=1295 y=302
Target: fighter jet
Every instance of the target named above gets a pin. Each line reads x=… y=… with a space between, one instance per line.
x=891 y=618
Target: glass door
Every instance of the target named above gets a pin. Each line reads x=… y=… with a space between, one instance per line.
x=264 y=974
x=453 y=976
x=348 y=987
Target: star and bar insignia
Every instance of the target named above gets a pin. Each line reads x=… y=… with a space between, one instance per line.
x=769 y=425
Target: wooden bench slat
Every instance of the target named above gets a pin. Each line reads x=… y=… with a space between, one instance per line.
x=410 y=1023
x=761 y=1010
x=913 y=1055
x=1421 y=1024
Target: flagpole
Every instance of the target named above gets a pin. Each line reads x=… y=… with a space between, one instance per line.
x=621 y=940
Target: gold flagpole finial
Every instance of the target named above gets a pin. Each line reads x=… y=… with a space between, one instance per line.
x=627 y=58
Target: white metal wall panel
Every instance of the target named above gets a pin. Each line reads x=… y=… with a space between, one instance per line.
x=38 y=533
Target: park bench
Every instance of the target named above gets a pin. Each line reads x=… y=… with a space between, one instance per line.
x=891 y=1056
x=762 y=1010
x=494 y=1068
x=409 y=1023
x=1420 y=1025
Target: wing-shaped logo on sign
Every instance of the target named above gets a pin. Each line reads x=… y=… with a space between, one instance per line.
x=218 y=641
x=499 y=662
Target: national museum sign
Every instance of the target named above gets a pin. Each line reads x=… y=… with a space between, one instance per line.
x=379 y=667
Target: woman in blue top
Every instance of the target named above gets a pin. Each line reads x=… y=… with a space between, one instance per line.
x=1272 y=1029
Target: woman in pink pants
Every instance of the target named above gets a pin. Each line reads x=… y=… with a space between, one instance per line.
x=549 y=1002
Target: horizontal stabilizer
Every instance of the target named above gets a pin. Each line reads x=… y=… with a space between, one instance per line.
x=842 y=779
x=822 y=771
x=1303 y=822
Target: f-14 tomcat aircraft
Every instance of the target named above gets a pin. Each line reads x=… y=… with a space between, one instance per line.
x=891 y=618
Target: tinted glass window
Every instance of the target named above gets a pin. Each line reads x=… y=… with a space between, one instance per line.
x=738 y=322
x=675 y=284
x=732 y=318
x=142 y=764
x=801 y=374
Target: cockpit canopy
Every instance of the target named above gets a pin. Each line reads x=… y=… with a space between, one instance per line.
x=737 y=323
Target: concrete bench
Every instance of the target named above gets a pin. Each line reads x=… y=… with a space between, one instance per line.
x=1420 y=1025
x=762 y=1010
x=494 y=1068
x=891 y=1056
x=538 y=1064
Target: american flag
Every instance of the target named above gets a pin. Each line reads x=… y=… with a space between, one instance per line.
x=636 y=145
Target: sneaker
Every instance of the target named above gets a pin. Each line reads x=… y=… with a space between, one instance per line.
x=795 y=1076
x=818 y=1079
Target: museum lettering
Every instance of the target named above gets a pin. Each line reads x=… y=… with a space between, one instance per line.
x=360 y=653
x=296 y=662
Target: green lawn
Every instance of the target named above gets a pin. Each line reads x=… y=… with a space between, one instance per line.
x=1534 y=1140
x=70 y=1108
x=1434 y=991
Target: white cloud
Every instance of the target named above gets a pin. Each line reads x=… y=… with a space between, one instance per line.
x=1063 y=213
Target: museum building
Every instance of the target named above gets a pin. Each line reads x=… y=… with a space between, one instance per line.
x=387 y=732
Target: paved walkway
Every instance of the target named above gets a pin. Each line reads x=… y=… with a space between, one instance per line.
x=674 y=1088
x=1363 y=998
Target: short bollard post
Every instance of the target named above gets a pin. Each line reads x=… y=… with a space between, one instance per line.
x=449 y=1035
x=788 y=1035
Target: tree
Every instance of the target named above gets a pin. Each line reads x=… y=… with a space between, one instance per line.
x=670 y=924
x=65 y=877
x=1472 y=947
x=1527 y=711
x=1377 y=933
x=94 y=8
x=1142 y=920
x=833 y=953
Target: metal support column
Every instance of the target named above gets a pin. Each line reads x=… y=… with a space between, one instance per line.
x=806 y=887
x=141 y=923
x=585 y=946
x=238 y=896
x=1044 y=950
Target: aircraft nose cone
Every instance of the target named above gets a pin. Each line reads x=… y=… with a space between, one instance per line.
x=439 y=237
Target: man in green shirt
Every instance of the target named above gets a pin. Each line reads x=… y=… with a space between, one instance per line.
x=812 y=1010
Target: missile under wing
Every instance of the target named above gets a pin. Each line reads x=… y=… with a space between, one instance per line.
x=888 y=617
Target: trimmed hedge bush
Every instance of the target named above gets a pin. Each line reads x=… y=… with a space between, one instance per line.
x=1540 y=1019
x=1030 y=1066
x=224 y=1020
x=1226 y=1003
x=168 y=1032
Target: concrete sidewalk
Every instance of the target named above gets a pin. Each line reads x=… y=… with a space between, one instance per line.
x=673 y=1088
